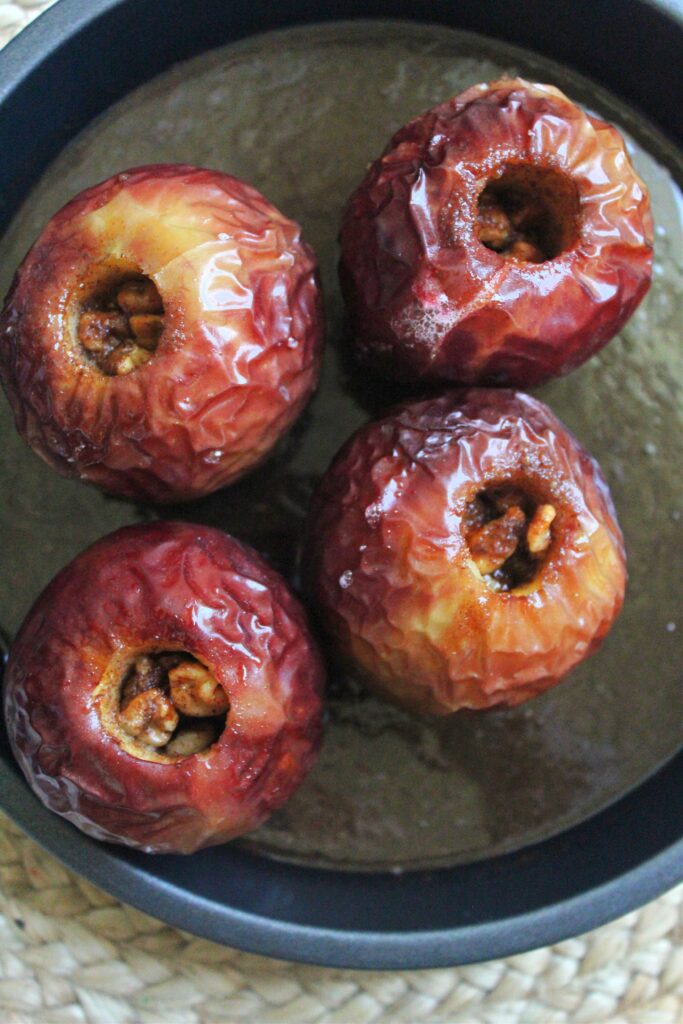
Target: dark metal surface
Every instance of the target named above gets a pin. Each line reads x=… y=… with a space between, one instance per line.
x=55 y=77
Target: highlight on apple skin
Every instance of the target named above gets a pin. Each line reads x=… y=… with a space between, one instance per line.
x=464 y=551
x=164 y=691
x=162 y=334
x=502 y=238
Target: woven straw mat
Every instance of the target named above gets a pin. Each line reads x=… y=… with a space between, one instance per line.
x=69 y=952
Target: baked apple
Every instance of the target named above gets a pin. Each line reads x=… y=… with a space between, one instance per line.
x=162 y=334
x=464 y=551
x=503 y=238
x=164 y=691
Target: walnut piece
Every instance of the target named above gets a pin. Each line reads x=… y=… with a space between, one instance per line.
x=150 y=717
x=496 y=541
x=538 y=534
x=195 y=692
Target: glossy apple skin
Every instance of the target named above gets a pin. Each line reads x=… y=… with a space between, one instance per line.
x=391 y=572
x=177 y=586
x=427 y=301
x=236 y=364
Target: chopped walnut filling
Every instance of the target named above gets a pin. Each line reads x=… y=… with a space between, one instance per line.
x=171 y=702
x=496 y=541
x=150 y=717
x=192 y=739
x=528 y=213
x=508 y=535
x=506 y=233
x=120 y=329
x=195 y=692
x=538 y=534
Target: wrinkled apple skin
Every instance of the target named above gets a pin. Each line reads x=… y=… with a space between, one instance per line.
x=167 y=585
x=238 y=359
x=428 y=301
x=391 y=571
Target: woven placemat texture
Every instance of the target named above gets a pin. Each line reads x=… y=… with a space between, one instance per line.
x=15 y=16
x=70 y=953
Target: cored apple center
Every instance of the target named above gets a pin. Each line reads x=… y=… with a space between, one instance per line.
x=528 y=213
x=120 y=317
x=162 y=705
x=509 y=533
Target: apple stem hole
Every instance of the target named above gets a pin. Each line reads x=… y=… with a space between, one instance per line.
x=528 y=213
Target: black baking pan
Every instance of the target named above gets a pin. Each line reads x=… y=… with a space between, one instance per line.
x=533 y=885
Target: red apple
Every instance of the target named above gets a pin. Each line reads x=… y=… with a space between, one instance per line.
x=162 y=334
x=503 y=238
x=464 y=551
x=164 y=691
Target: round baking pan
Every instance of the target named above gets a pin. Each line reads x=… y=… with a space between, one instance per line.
x=67 y=68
